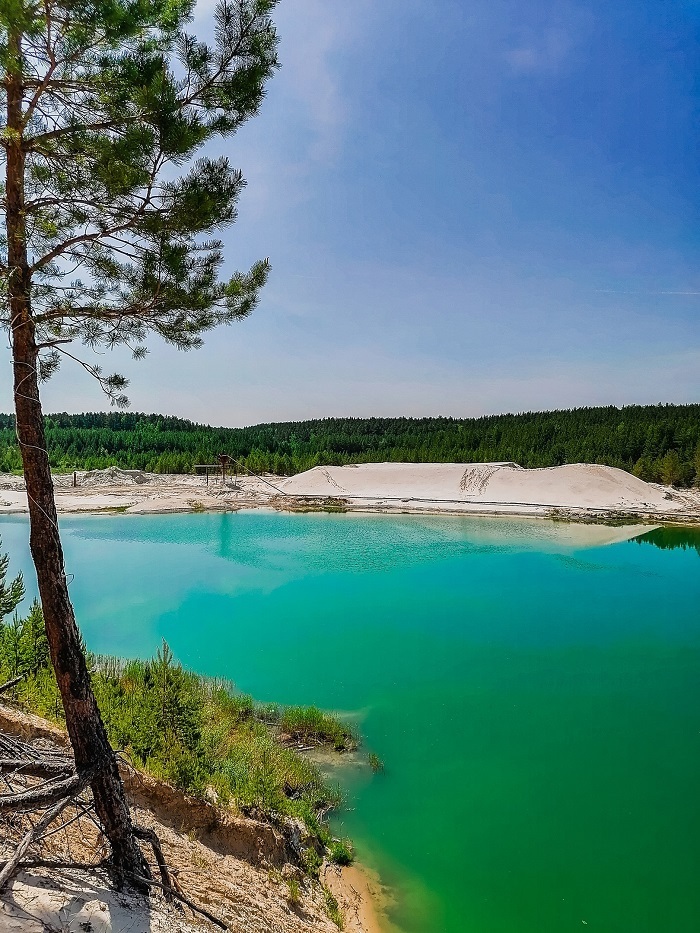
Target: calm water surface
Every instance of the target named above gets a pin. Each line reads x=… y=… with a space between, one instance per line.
x=536 y=698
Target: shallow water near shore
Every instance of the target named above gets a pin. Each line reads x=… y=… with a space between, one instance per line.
x=533 y=692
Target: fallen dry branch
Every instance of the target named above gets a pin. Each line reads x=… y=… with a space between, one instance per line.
x=34 y=833
x=15 y=747
x=82 y=810
x=9 y=684
x=42 y=795
x=178 y=895
x=46 y=768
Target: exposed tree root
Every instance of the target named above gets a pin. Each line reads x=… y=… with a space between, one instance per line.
x=178 y=895
x=39 y=780
x=149 y=835
x=64 y=864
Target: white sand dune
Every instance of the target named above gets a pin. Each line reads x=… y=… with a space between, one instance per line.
x=466 y=488
x=577 y=486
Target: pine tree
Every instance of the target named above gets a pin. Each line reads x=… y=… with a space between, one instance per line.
x=671 y=470
x=12 y=593
x=108 y=240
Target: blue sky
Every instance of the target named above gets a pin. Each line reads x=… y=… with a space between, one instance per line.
x=470 y=206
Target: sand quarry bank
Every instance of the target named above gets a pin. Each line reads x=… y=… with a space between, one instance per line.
x=579 y=490
x=236 y=866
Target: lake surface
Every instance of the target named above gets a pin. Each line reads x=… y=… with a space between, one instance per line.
x=535 y=697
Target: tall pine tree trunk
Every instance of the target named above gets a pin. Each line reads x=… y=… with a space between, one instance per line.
x=85 y=727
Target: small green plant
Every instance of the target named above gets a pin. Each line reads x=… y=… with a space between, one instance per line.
x=293 y=892
x=310 y=726
x=304 y=505
x=196 y=506
x=311 y=862
x=335 y=505
x=375 y=763
x=333 y=909
x=341 y=852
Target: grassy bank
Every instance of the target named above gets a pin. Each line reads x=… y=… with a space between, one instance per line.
x=196 y=733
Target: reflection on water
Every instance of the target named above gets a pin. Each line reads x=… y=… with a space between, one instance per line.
x=668 y=539
x=346 y=542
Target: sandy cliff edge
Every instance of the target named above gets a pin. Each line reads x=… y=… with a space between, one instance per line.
x=234 y=865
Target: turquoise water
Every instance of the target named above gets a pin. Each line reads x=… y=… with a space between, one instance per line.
x=536 y=699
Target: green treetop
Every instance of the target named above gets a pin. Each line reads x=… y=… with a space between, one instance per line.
x=115 y=98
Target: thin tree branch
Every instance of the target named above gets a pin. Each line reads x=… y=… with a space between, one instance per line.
x=11 y=683
x=12 y=863
x=43 y=796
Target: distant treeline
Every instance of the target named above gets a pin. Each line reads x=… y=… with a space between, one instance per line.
x=657 y=442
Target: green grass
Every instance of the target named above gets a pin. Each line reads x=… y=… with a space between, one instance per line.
x=311 y=726
x=375 y=763
x=333 y=909
x=303 y=505
x=293 y=892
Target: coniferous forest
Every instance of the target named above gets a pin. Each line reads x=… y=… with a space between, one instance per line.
x=659 y=443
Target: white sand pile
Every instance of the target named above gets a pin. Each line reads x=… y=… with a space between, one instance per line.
x=579 y=485
x=113 y=476
x=10 y=481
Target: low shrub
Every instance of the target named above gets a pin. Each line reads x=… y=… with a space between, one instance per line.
x=311 y=726
x=341 y=851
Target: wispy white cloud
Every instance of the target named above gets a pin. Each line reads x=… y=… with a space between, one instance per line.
x=545 y=53
x=306 y=116
x=551 y=45
x=313 y=34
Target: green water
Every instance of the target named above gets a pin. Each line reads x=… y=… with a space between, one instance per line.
x=536 y=701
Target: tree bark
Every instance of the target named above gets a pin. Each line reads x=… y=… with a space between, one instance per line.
x=88 y=736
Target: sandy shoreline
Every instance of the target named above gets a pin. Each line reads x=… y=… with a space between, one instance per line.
x=577 y=492
x=242 y=879
x=361 y=896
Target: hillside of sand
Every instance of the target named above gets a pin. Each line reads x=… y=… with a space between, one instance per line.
x=581 y=490
x=501 y=486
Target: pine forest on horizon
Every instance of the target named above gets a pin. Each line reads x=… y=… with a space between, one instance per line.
x=659 y=443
